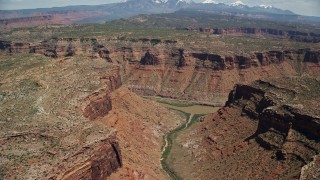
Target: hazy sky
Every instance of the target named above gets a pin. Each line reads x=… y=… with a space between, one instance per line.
x=305 y=7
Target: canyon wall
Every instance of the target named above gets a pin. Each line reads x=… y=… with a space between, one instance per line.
x=156 y=70
x=99 y=103
x=267 y=130
x=95 y=160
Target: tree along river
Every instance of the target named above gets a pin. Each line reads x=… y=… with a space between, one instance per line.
x=192 y=113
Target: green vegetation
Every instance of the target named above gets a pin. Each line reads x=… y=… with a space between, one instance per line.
x=195 y=119
x=170 y=138
x=188 y=110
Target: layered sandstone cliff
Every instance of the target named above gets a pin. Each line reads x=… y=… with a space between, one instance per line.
x=157 y=69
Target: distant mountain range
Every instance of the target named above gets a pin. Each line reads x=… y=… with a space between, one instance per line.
x=128 y=8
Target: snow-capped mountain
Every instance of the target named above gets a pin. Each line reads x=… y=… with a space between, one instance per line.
x=171 y=2
x=178 y=3
x=160 y=1
x=237 y=3
x=209 y=2
x=265 y=6
x=184 y=2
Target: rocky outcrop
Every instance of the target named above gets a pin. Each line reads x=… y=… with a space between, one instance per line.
x=292 y=35
x=101 y=158
x=149 y=59
x=99 y=103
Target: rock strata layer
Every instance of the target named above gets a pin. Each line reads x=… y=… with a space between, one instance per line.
x=156 y=70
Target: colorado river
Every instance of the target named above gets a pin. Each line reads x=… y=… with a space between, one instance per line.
x=192 y=113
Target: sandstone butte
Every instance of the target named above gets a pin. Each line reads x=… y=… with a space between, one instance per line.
x=79 y=121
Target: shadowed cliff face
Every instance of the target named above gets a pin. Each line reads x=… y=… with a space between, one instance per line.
x=268 y=129
x=149 y=59
x=156 y=70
